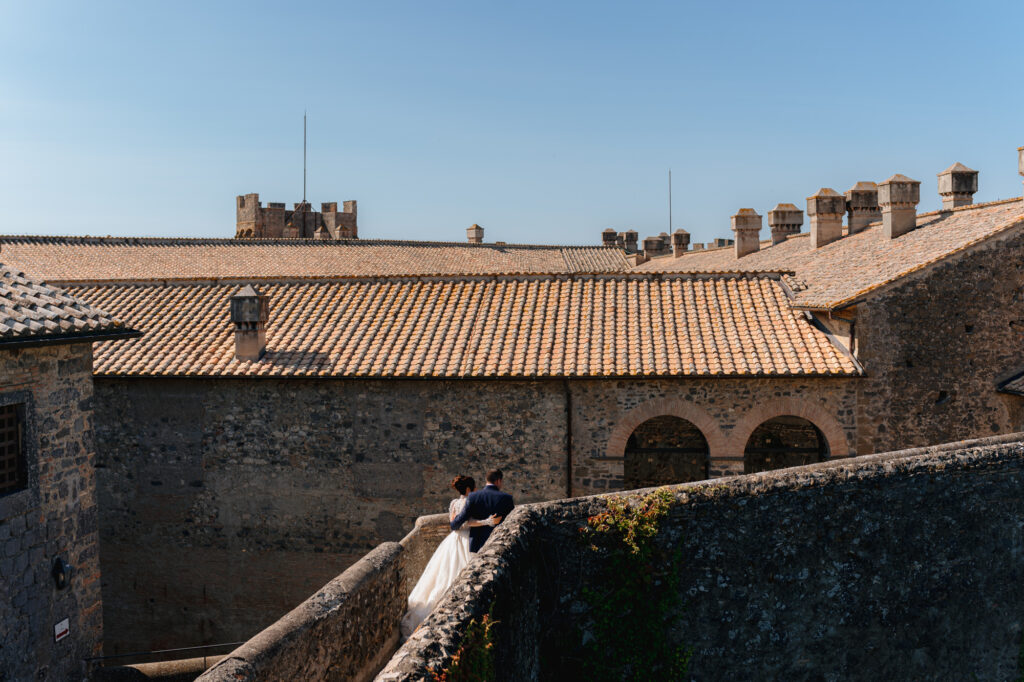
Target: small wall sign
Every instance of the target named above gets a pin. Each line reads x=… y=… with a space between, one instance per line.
x=61 y=630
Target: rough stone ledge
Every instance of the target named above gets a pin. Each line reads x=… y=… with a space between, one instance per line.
x=493 y=570
x=254 y=659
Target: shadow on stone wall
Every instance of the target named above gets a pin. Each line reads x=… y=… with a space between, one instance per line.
x=907 y=565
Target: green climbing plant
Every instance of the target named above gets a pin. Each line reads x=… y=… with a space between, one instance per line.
x=474 y=661
x=636 y=600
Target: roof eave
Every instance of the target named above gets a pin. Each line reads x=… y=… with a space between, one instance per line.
x=59 y=339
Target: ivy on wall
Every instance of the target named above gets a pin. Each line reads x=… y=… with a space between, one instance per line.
x=627 y=630
x=474 y=661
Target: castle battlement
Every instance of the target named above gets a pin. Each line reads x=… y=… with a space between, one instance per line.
x=253 y=221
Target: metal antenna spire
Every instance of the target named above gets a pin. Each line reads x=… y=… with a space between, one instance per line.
x=303 y=157
x=670 y=201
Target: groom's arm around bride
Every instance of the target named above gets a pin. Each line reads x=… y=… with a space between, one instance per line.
x=482 y=504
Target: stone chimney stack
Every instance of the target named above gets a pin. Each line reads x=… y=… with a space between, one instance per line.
x=629 y=240
x=957 y=185
x=680 y=242
x=654 y=246
x=826 y=208
x=746 y=225
x=898 y=197
x=1020 y=161
x=784 y=220
x=475 y=234
x=609 y=237
x=862 y=206
x=249 y=311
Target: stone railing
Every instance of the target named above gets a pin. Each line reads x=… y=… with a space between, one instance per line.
x=349 y=628
x=905 y=565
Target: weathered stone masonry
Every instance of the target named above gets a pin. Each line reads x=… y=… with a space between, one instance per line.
x=906 y=565
x=54 y=515
x=254 y=493
x=935 y=347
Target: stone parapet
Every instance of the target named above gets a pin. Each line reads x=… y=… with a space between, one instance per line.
x=767 y=556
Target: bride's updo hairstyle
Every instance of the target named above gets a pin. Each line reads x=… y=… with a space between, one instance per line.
x=464 y=484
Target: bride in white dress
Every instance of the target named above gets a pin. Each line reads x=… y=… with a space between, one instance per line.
x=446 y=564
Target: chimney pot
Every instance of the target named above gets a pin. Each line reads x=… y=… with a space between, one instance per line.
x=784 y=220
x=609 y=237
x=898 y=197
x=680 y=242
x=1020 y=160
x=826 y=209
x=862 y=206
x=957 y=185
x=629 y=240
x=249 y=312
x=475 y=234
x=655 y=246
x=746 y=225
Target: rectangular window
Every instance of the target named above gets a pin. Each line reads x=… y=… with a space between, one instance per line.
x=12 y=451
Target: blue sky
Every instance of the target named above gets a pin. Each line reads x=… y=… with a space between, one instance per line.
x=544 y=122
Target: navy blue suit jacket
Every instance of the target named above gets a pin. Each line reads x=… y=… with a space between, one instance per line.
x=480 y=505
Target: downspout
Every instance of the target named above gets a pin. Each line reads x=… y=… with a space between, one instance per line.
x=568 y=438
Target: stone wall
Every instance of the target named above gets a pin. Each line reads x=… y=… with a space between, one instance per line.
x=55 y=515
x=727 y=411
x=908 y=565
x=936 y=345
x=348 y=629
x=226 y=502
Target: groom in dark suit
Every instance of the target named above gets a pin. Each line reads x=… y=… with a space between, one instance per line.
x=482 y=504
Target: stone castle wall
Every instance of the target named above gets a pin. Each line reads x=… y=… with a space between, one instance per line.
x=898 y=566
x=255 y=493
x=55 y=515
x=226 y=503
x=936 y=346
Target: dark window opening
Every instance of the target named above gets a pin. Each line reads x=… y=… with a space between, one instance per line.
x=665 y=450
x=13 y=475
x=783 y=442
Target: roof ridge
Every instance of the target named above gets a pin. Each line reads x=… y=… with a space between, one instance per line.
x=522 y=276
x=231 y=241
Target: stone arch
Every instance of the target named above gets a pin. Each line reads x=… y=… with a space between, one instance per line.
x=671 y=407
x=665 y=450
x=825 y=421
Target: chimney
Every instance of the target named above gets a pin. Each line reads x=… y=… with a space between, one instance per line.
x=249 y=311
x=609 y=238
x=680 y=242
x=957 y=185
x=1020 y=160
x=784 y=220
x=826 y=208
x=898 y=197
x=698 y=246
x=475 y=234
x=654 y=246
x=629 y=240
x=862 y=206
x=746 y=224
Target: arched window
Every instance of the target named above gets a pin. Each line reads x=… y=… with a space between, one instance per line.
x=782 y=442
x=665 y=450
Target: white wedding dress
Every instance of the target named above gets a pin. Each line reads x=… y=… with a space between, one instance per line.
x=442 y=569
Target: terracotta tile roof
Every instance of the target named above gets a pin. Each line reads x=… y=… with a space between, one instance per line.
x=524 y=326
x=106 y=259
x=31 y=311
x=841 y=272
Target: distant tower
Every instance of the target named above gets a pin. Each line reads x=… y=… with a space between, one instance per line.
x=253 y=221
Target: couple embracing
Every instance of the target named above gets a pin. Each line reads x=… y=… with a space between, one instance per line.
x=472 y=516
